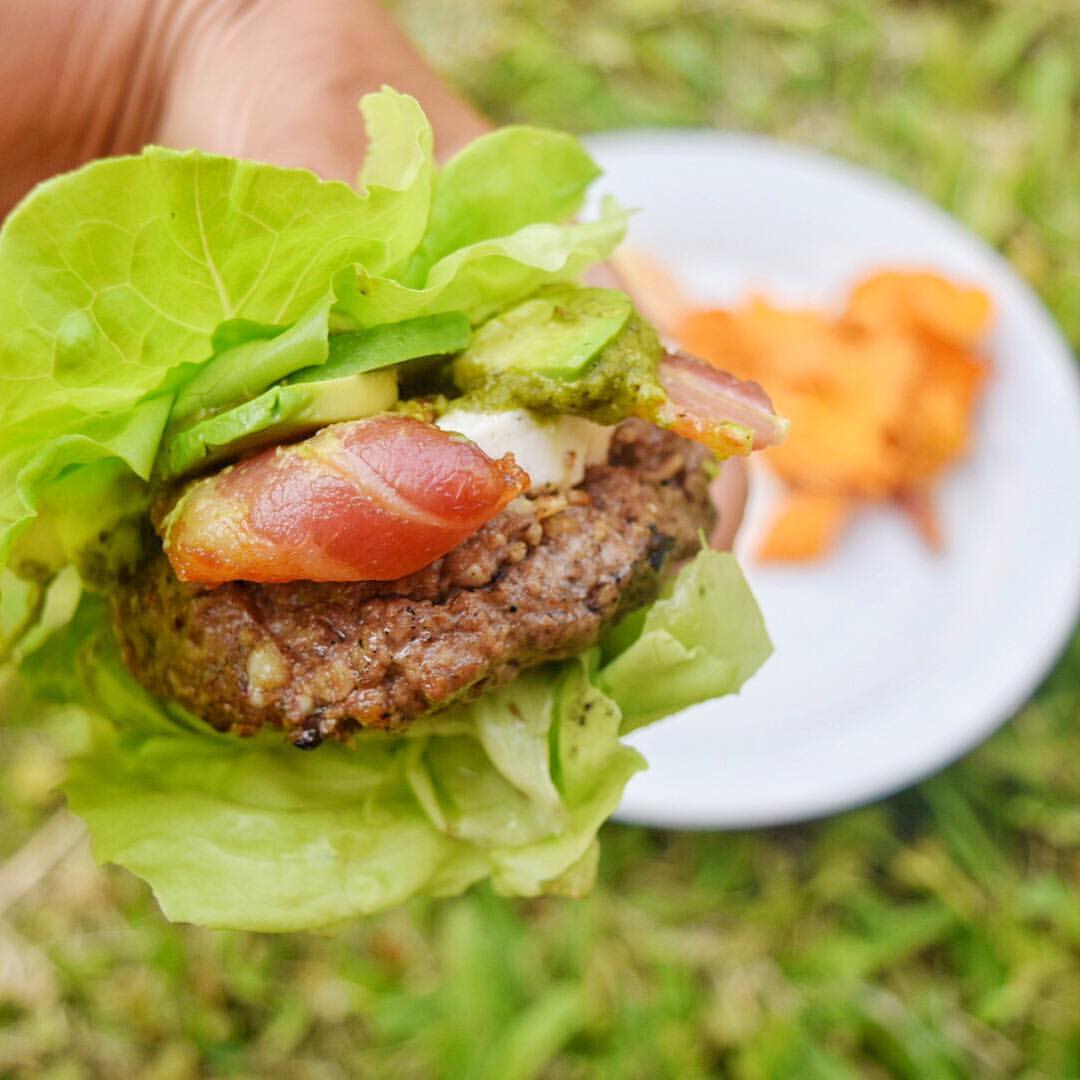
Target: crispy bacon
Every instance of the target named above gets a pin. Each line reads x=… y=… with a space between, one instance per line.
x=729 y=415
x=371 y=499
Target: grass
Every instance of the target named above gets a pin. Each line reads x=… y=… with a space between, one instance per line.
x=936 y=934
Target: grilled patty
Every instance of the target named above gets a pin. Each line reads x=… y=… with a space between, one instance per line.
x=319 y=660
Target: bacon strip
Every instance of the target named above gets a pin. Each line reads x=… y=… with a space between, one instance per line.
x=728 y=415
x=367 y=500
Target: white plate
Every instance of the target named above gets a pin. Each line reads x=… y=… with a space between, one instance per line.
x=890 y=661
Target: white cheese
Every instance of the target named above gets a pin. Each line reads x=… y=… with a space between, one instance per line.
x=554 y=451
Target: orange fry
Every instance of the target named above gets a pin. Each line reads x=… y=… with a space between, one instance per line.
x=922 y=301
x=807 y=526
x=880 y=399
x=716 y=336
x=843 y=420
x=937 y=432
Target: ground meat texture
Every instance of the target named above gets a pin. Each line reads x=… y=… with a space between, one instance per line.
x=539 y=582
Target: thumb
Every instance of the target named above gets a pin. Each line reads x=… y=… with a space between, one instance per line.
x=279 y=81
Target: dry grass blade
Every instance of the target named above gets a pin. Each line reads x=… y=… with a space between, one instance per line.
x=23 y=871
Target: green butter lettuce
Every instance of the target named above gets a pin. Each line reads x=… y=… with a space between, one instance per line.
x=462 y=281
x=115 y=273
x=140 y=293
x=513 y=787
x=498 y=184
x=705 y=635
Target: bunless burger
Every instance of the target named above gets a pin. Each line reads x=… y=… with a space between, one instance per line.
x=371 y=471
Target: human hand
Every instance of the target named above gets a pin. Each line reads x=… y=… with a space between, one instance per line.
x=273 y=80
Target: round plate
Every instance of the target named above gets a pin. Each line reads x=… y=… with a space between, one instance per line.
x=890 y=660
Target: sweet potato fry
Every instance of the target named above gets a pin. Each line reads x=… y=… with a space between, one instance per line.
x=880 y=399
x=922 y=301
x=806 y=527
x=938 y=431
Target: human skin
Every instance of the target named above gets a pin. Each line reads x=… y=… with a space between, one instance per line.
x=272 y=80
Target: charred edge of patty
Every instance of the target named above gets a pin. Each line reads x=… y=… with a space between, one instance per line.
x=539 y=582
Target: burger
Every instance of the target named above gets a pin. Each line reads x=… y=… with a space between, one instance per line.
x=357 y=529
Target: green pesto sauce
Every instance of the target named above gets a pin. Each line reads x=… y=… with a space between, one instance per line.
x=621 y=381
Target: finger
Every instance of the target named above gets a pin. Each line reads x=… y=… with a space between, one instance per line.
x=72 y=87
x=279 y=81
x=729 y=492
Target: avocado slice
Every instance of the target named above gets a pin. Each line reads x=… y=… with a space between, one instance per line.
x=277 y=415
x=555 y=333
x=621 y=380
x=377 y=347
x=358 y=378
x=249 y=357
x=303 y=353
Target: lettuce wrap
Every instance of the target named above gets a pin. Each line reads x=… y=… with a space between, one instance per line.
x=139 y=292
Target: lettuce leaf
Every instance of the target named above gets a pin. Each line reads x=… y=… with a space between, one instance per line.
x=513 y=787
x=398 y=174
x=498 y=184
x=113 y=274
x=486 y=276
x=703 y=638
x=75 y=497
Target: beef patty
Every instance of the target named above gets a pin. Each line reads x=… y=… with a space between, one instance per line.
x=321 y=659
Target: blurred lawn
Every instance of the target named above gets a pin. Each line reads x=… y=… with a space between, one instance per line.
x=934 y=935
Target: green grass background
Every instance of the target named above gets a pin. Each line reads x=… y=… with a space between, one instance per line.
x=936 y=934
